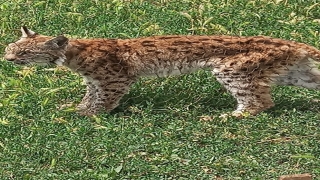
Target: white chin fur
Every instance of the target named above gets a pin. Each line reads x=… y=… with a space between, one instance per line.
x=59 y=61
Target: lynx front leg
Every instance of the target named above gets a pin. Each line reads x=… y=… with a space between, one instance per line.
x=106 y=95
x=89 y=98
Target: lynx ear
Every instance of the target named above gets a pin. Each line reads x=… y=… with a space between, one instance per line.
x=59 y=42
x=26 y=32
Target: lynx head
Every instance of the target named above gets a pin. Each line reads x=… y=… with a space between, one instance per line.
x=33 y=48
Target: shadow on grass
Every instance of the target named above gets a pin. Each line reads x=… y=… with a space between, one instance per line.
x=210 y=97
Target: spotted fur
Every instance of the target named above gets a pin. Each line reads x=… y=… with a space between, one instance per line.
x=246 y=66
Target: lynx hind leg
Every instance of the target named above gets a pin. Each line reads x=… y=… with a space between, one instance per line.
x=252 y=98
x=305 y=74
x=253 y=95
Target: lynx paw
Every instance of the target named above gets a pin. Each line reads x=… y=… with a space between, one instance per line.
x=240 y=114
x=82 y=107
x=65 y=106
x=86 y=110
x=237 y=114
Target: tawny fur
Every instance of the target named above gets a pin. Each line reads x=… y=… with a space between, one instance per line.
x=246 y=66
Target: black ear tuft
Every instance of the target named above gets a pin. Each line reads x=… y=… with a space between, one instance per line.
x=27 y=32
x=25 y=29
x=57 y=42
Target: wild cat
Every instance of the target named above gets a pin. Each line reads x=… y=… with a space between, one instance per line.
x=245 y=66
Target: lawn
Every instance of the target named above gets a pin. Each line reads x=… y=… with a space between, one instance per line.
x=167 y=128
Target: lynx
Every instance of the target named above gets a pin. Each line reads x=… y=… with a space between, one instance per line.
x=246 y=66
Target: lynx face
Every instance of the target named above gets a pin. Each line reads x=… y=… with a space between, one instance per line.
x=36 y=49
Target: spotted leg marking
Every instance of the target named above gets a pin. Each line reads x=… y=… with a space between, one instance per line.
x=106 y=94
x=90 y=95
x=252 y=96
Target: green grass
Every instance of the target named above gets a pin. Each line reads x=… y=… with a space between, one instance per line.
x=164 y=128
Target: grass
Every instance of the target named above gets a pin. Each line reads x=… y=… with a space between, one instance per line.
x=164 y=128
